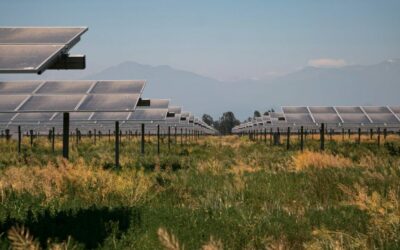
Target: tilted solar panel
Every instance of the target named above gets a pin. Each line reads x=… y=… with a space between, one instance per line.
x=48 y=103
x=111 y=102
x=294 y=110
x=65 y=87
x=383 y=118
x=148 y=115
x=27 y=58
x=40 y=35
x=395 y=109
x=9 y=103
x=69 y=96
x=18 y=87
x=34 y=49
x=118 y=87
x=299 y=118
x=348 y=110
x=372 y=109
x=326 y=118
x=32 y=117
x=322 y=109
x=354 y=118
x=110 y=116
x=6 y=117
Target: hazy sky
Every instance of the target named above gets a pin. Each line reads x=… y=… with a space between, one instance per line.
x=223 y=39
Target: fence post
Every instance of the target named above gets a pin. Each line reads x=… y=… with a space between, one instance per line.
x=66 y=135
x=379 y=136
x=169 y=138
x=52 y=138
x=288 y=139
x=142 y=141
x=158 y=138
x=7 y=135
x=117 y=135
x=31 y=136
x=322 y=137
x=19 y=139
x=301 y=138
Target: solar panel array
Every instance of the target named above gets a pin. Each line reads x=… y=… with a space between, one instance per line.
x=332 y=116
x=34 y=49
x=92 y=104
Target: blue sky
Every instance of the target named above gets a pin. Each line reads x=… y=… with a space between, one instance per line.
x=226 y=40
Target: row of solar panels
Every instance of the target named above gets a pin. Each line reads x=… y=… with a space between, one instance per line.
x=334 y=116
x=91 y=104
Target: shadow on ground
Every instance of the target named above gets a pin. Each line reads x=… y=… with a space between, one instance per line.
x=86 y=226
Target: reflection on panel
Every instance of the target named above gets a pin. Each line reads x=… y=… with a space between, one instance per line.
x=9 y=103
x=118 y=87
x=51 y=103
x=39 y=35
x=110 y=116
x=326 y=118
x=298 y=118
x=65 y=87
x=27 y=58
x=111 y=102
x=32 y=117
x=17 y=88
x=148 y=115
x=294 y=110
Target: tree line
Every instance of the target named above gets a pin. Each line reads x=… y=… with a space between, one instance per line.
x=228 y=120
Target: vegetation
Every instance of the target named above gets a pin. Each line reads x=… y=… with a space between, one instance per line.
x=225 y=123
x=209 y=193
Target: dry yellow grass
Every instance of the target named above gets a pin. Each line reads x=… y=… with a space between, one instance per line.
x=309 y=159
x=384 y=211
x=90 y=184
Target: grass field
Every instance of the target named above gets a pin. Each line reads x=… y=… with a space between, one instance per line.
x=213 y=193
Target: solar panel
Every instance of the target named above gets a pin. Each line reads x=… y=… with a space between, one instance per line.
x=65 y=87
x=33 y=117
x=48 y=103
x=32 y=50
x=348 y=110
x=326 y=118
x=27 y=58
x=118 y=87
x=40 y=35
x=395 y=109
x=9 y=103
x=5 y=117
x=299 y=118
x=148 y=115
x=26 y=87
x=112 y=102
x=69 y=96
x=383 y=118
x=372 y=109
x=321 y=109
x=294 y=110
x=110 y=116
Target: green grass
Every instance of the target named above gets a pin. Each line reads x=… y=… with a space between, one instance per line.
x=246 y=194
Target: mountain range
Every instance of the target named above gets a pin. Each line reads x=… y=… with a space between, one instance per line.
x=377 y=84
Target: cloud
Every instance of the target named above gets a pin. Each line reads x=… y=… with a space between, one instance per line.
x=327 y=63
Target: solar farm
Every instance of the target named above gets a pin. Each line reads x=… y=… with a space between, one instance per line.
x=97 y=164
